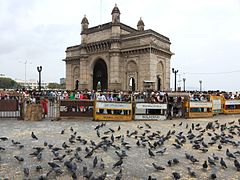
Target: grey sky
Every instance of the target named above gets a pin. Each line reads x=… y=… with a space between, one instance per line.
x=205 y=35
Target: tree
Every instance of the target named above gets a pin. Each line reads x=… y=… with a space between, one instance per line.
x=8 y=83
x=55 y=86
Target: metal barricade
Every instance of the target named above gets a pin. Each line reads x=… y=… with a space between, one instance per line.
x=217 y=104
x=198 y=109
x=113 y=111
x=150 y=111
x=11 y=105
x=231 y=106
x=76 y=108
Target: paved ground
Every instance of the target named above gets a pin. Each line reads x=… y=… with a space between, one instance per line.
x=138 y=163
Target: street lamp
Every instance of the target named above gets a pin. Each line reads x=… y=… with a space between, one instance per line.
x=39 y=69
x=200 y=85
x=184 y=80
x=175 y=73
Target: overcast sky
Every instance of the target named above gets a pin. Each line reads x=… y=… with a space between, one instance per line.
x=205 y=35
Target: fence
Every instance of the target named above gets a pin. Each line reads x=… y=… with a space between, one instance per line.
x=16 y=107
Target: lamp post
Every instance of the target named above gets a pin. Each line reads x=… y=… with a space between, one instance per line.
x=200 y=81
x=184 y=80
x=175 y=82
x=39 y=69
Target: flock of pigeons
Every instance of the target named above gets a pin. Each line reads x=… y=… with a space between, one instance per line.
x=80 y=158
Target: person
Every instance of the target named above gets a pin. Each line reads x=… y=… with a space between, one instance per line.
x=170 y=102
x=44 y=104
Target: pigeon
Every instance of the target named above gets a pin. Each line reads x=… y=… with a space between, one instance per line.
x=98 y=133
x=95 y=160
x=76 y=155
x=117 y=164
x=176 y=175
x=175 y=161
x=60 y=158
x=237 y=164
x=205 y=165
x=219 y=147
x=4 y=138
x=39 y=156
x=215 y=157
x=150 y=153
x=89 y=154
x=34 y=136
x=119 y=175
x=101 y=164
x=53 y=165
x=211 y=161
x=177 y=146
x=65 y=146
x=157 y=167
x=88 y=175
x=102 y=177
x=222 y=163
x=26 y=171
x=191 y=172
x=20 y=159
x=38 y=167
x=162 y=151
x=213 y=176
x=230 y=155
x=15 y=142
x=119 y=128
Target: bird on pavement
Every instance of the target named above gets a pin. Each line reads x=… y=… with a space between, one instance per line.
x=119 y=175
x=95 y=161
x=222 y=163
x=176 y=175
x=237 y=164
x=117 y=164
x=150 y=153
x=3 y=138
x=191 y=172
x=34 y=136
x=20 y=159
x=26 y=171
x=211 y=161
x=157 y=167
x=205 y=165
x=230 y=155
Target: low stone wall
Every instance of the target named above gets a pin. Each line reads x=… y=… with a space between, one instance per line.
x=33 y=112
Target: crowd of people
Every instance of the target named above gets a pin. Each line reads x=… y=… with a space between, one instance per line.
x=175 y=102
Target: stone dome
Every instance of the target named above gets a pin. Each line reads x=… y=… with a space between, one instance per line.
x=84 y=20
x=140 y=22
x=115 y=9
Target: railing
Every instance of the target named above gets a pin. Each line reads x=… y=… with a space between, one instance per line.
x=150 y=111
x=76 y=108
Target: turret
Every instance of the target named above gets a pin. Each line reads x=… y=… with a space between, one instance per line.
x=84 y=23
x=140 y=25
x=115 y=15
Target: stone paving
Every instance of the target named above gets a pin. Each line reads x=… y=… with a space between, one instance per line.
x=137 y=164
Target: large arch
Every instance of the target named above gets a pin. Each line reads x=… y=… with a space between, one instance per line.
x=132 y=75
x=76 y=74
x=100 y=75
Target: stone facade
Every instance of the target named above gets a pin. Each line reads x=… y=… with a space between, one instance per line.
x=125 y=53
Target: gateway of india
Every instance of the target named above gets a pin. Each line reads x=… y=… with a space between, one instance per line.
x=116 y=56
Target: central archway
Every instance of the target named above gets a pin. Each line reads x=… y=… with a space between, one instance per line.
x=100 y=75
